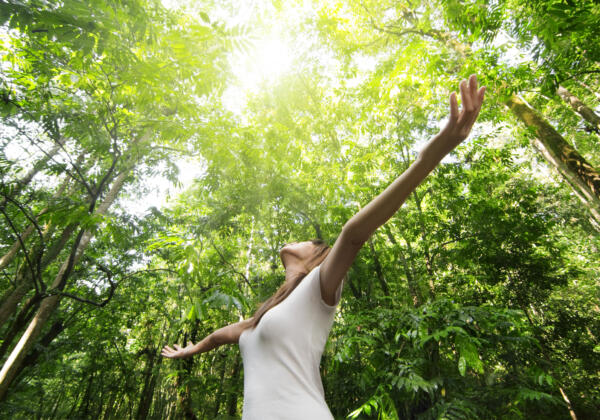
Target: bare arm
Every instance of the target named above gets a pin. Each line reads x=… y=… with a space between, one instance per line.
x=362 y=225
x=226 y=335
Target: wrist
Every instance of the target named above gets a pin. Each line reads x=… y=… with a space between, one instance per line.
x=428 y=159
x=191 y=350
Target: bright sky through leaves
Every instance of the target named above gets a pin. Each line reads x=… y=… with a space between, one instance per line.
x=267 y=59
x=271 y=58
x=253 y=123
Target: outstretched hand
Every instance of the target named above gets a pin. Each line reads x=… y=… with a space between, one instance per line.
x=460 y=123
x=177 y=352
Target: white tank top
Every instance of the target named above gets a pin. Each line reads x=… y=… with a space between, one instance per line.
x=282 y=355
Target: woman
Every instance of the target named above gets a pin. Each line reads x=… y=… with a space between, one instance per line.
x=281 y=345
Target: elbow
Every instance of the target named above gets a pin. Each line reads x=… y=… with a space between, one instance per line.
x=215 y=339
x=352 y=234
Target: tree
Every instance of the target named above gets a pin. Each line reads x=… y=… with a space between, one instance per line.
x=87 y=76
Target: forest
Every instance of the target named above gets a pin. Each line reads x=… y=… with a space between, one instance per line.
x=156 y=155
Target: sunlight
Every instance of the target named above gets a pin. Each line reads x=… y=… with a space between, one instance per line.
x=265 y=61
x=270 y=60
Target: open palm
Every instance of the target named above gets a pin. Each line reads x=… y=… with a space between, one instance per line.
x=459 y=124
x=177 y=352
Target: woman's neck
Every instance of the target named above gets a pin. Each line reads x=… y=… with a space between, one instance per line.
x=293 y=269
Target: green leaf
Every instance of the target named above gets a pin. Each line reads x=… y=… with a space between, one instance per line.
x=204 y=17
x=462 y=365
x=192 y=313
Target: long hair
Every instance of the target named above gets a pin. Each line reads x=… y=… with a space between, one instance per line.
x=320 y=252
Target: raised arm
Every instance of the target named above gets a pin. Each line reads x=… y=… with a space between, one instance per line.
x=226 y=335
x=361 y=226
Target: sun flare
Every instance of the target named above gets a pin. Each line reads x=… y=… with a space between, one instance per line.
x=264 y=62
x=268 y=59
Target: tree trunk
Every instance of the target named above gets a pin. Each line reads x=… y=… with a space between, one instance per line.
x=582 y=109
x=98 y=398
x=184 y=397
x=74 y=405
x=428 y=259
x=232 y=399
x=588 y=88
x=40 y=410
x=413 y=288
x=49 y=304
x=580 y=175
x=24 y=316
x=25 y=282
x=160 y=405
x=149 y=384
x=568 y=403
x=58 y=400
x=583 y=178
x=547 y=352
x=10 y=302
x=108 y=411
x=355 y=291
x=219 y=397
x=184 y=400
x=10 y=254
x=23 y=182
x=85 y=401
x=32 y=357
x=7 y=258
x=378 y=269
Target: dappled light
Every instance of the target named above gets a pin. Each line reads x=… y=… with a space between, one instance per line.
x=174 y=173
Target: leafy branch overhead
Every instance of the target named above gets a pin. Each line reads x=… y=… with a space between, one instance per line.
x=156 y=155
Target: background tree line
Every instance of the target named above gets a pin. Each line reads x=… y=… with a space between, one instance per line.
x=478 y=300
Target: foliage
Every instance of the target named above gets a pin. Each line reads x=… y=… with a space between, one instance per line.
x=477 y=300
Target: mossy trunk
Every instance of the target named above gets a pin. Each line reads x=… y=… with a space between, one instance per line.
x=578 y=106
x=581 y=176
x=49 y=304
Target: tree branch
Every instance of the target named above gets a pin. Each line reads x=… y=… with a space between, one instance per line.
x=111 y=292
x=242 y=275
x=25 y=253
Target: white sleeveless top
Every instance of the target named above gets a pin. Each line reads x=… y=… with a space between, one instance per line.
x=282 y=354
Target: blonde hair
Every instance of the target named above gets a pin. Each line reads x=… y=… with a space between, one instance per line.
x=320 y=252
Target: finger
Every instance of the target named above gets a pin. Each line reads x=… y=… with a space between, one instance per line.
x=478 y=102
x=473 y=88
x=467 y=104
x=480 y=96
x=176 y=346
x=190 y=343
x=472 y=117
x=453 y=108
x=168 y=348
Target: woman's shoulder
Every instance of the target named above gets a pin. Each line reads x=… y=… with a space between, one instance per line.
x=245 y=325
x=312 y=287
